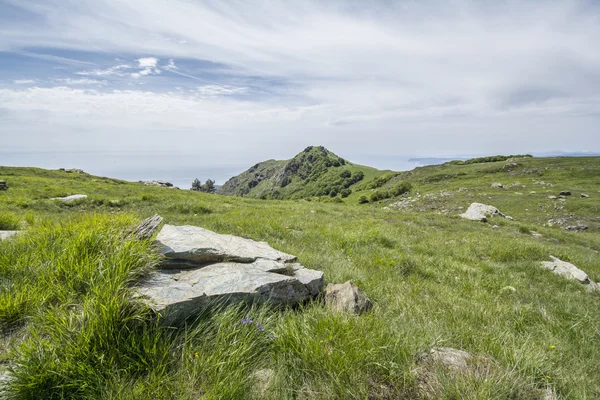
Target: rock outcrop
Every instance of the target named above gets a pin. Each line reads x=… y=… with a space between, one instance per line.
x=158 y=183
x=481 y=212
x=201 y=268
x=569 y=271
x=7 y=234
x=346 y=297
x=147 y=228
x=70 y=199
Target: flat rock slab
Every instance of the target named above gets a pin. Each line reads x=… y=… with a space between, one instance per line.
x=7 y=234
x=569 y=271
x=179 y=293
x=69 y=199
x=202 y=268
x=198 y=245
x=481 y=212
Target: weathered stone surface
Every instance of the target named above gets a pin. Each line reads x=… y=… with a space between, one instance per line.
x=568 y=271
x=584 y=196
x=346 y=297
x=576 y=228
x=452 y=363
x=565 y=193
x=481 y=212
x=180 y=293
x=158 y=183
x=7 y=234
x=147 y=228
x=198 y=245
x=497 y=185
x=69 y=199
x=201 y=268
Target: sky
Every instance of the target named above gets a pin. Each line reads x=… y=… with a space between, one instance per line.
x=145 y=88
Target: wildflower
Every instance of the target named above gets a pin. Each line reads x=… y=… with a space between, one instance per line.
x=548 y=377
x=262 y=329
x=244 y=321
x=553 y=347
x=196 y=354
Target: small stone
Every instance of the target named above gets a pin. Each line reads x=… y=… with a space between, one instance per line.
x=3 y=185
x=584 y=196
x=565 y=193
x=508 y=289
x=346 y=297
x=70 y=199
x=577 y=228
x=147 y=228
x=552 y=197
x=8 y=234
x=497 y=185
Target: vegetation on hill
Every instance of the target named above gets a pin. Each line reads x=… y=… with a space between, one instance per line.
x=314 y=172
x=488 y=159
x=71 y=329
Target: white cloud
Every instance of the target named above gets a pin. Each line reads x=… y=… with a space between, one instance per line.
x=23 y=81
x=82 y=81
x=219 y=90
x=147 y=62
x=414 y=77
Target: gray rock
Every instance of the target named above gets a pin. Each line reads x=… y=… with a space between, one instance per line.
x=200 y=246
x=552 y=197
x=70 y=199
x=480 y=212
x=451 y=359
x=584 y=196
x=158 y=183
x=565 y=193
x=147 y=228
x=497 y=185
x=576 y=228
x=7 y=234
x=202 y=268
x=346 y=297
x=3 y=185
x=180 y=293
x=568 y=271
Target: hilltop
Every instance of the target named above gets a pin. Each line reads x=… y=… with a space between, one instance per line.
x=71 y=328
x=315 y=171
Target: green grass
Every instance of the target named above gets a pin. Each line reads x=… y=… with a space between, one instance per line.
x=70 y=328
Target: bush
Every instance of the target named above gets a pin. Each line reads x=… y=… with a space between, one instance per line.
x=401 y=188
x=9 y=222
x=363 y=200
x=380 y=195
x=345 y=193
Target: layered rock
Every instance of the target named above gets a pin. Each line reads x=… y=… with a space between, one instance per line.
x=481 y=212
x=70 y=199
x=201 y=267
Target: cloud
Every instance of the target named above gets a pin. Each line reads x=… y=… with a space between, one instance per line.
x=427 y=78
x=82 y=81
x=23 y=81
x=147 y=62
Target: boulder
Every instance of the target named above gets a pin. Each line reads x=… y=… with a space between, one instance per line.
x=569 y=271
x=576 y=228
x=3 y=185
x=565 y=193
x=7 y=234
x=158 y=183
x=199 y=246
x=201 y=268
x=346 y=297
x=480 y=212
x=452 y=363
x=70 y=199
x=147 y=228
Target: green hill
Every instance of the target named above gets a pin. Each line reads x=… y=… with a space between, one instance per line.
x=71 y=329
x=314 y=172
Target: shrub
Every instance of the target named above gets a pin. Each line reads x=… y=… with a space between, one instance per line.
x=345 y=193
x=380 y=195
x=401 y=188
x=363 y=200
x=9 y=222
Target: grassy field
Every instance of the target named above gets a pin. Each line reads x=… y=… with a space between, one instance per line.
x=71 y=330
